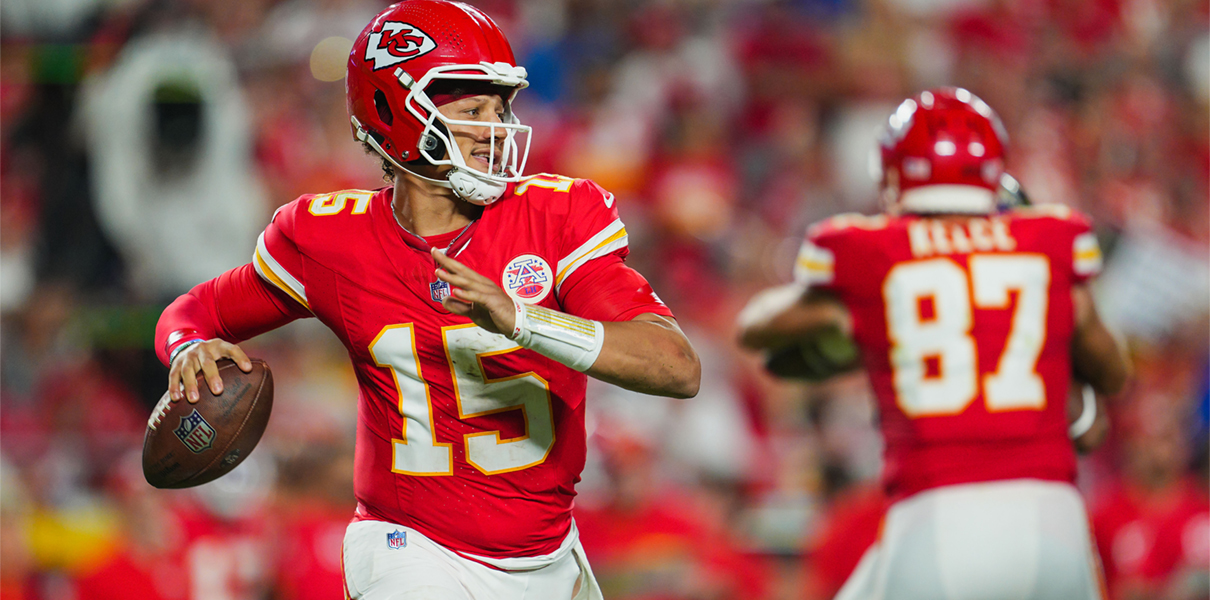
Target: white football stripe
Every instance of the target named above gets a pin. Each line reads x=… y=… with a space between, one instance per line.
x=814 y=265
x=608 y=240
x=276 y=274
x=1087 y=254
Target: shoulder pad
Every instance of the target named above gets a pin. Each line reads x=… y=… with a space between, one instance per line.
x=1061 y=212
x=590 y=190
x=845 y=221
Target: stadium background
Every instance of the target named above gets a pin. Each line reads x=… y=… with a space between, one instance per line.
x=146 y=142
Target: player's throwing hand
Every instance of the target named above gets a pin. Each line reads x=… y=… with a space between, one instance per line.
x=475 y=296
x=202 y=356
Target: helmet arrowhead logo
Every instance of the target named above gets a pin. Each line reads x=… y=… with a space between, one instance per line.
x=397 y=42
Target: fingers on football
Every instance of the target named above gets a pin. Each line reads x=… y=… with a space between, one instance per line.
x=187 y=378
x=213 y=380
x=175 y=389
x=237 y=354
x=182 y=377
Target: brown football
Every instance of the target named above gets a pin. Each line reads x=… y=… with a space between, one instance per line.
x=190 y=444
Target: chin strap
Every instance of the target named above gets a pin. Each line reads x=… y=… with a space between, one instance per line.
x=466 y=184
x=474 y=189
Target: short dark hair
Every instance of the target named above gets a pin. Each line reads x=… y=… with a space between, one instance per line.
x=388 y=171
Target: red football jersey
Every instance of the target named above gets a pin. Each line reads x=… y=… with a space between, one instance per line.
x=462 y=434
x=965 y=329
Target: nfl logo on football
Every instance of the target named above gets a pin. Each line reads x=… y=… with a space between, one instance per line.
x=397 y=539
x=195 y=433
x=527 y=278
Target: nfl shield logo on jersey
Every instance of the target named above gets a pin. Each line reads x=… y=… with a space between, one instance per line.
x=195 y=433
x=528 y=278
x=439 y=290
x=397 y=539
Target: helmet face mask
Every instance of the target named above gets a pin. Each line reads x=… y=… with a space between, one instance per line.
x=438 y=146
x=412 y=45
x=941 y=152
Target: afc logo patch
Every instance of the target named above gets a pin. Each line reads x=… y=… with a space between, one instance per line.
x=397 y=42
x=397 y=539
x=528 y=278
x=197 y=435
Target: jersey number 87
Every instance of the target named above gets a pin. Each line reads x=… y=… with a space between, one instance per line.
x=943 y=338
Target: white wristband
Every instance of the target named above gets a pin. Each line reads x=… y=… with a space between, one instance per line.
x=569 y=339
x=1087 y=416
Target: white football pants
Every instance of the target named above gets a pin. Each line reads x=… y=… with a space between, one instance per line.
x=1021 y=539
x=381 y=564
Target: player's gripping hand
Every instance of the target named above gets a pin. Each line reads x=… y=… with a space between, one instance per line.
x=824 y=352
x=475 y=296
x=182 y=376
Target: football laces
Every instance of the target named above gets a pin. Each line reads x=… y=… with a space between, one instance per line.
x=161 y=409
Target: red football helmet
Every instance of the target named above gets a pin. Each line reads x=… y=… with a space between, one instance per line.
x=410 y=45
x=942 y=152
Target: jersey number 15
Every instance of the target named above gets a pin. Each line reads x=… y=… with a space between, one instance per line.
x=418 y=452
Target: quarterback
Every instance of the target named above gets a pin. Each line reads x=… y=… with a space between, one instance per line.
x=473 y=302
x=970 y=322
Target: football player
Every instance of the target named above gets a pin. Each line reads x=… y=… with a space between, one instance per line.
x=970 y=323
x=473 y=301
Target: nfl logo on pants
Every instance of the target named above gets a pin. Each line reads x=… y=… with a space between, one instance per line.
x=397 y=539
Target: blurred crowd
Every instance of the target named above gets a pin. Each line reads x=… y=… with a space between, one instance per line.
x=145 y=143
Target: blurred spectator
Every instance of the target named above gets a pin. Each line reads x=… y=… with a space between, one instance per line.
x=848 y=529
x=227 y=528
x=209 y=543
x=1153 y=525
x=17 y=569
x=1157 y=286
x=650 y=541
x=139 y=562
x=314 y=498
x=168 y=135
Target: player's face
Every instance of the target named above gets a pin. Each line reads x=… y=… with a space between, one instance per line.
x=475 y=143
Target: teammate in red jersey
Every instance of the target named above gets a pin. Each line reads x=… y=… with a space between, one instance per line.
x=473 y=302
x=970 y=323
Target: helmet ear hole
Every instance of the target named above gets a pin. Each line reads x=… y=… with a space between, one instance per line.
x=432 y=144
x=384 y=109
